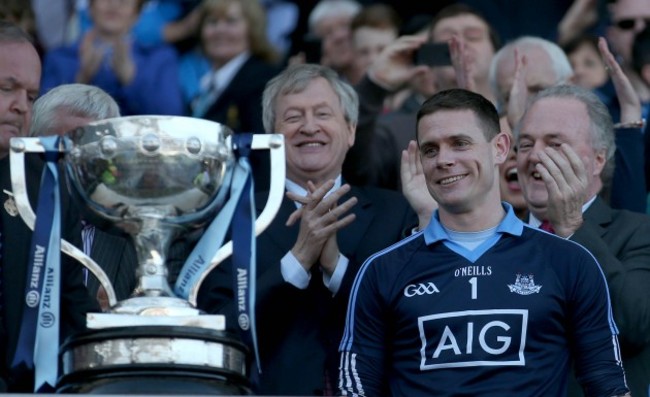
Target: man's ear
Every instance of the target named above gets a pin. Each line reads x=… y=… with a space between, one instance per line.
x=501 y=144
x=352 y=127
x=600 y=161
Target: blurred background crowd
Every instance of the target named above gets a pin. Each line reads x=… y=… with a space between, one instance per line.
x=212 y=58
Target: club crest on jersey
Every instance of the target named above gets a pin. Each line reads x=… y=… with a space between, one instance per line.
x=524 y=285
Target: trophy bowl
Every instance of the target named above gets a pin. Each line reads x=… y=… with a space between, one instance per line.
x=152 y=177
x=168 y=168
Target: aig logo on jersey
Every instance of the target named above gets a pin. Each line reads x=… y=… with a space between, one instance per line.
x=412 y=290
x=473 y=338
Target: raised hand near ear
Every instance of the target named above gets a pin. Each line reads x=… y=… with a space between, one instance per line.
x=414 y=185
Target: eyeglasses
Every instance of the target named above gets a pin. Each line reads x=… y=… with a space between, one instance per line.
x=630 y=23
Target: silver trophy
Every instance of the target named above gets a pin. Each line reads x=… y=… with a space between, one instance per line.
x=153 y=177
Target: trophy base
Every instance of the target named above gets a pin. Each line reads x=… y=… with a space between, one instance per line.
x=154 y=360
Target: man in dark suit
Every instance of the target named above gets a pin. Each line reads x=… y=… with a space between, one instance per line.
x=63 y=109
x=308 y=257
x=564 y=142
x=20 y=78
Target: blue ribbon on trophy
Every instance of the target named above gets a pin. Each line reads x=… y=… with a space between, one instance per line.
x=243 y=255
x=239 y=211
x=38 y=343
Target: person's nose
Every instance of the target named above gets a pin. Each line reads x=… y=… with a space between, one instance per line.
x=445 y=158
x=310 y=125
x=533 y=153
x=20 y=102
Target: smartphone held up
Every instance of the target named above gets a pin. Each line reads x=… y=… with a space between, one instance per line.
x=432 y=54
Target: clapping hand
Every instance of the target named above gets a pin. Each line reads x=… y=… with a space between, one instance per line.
x=627 y=96
x=90 y=58
x=122 y=62
x=519 y=91
x=319 y=223
x=458 y=53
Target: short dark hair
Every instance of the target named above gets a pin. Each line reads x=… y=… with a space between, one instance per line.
x=641 y=49
x=576 y=43
x=377 y=16
x=461 y=99
x=416 y=24
x=455 y=10
x=12 y=33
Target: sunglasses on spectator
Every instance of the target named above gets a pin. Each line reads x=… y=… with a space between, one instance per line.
x=630 y=23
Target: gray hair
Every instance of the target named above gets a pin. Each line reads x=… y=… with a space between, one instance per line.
x=12 y=33
x=330 y=8
x=559 y=62
x=295 y=79
x=77 y=99
x=602 y=129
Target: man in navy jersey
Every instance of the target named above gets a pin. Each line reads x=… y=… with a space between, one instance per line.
x=477 y=303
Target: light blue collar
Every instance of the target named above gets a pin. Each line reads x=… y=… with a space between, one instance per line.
x=510 y=224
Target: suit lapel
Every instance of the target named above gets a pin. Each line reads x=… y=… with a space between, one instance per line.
x=284 y=237
x=349 y=238
x=600 y=214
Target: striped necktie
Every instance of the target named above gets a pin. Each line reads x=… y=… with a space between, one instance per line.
x=546 y=226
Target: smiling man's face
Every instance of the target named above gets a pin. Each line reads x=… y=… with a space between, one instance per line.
x=551 y=122
x=459 y=163
x=317 y=135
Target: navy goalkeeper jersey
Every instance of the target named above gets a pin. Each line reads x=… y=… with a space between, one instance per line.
x=429 y=318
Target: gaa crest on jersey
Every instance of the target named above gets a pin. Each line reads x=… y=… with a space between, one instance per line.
x=420 y=289
x=524 y=285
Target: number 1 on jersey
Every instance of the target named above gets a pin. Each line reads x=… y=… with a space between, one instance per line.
x=474 y=283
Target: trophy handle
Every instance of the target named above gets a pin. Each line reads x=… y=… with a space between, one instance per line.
x=19 y=186
x=274 y=143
